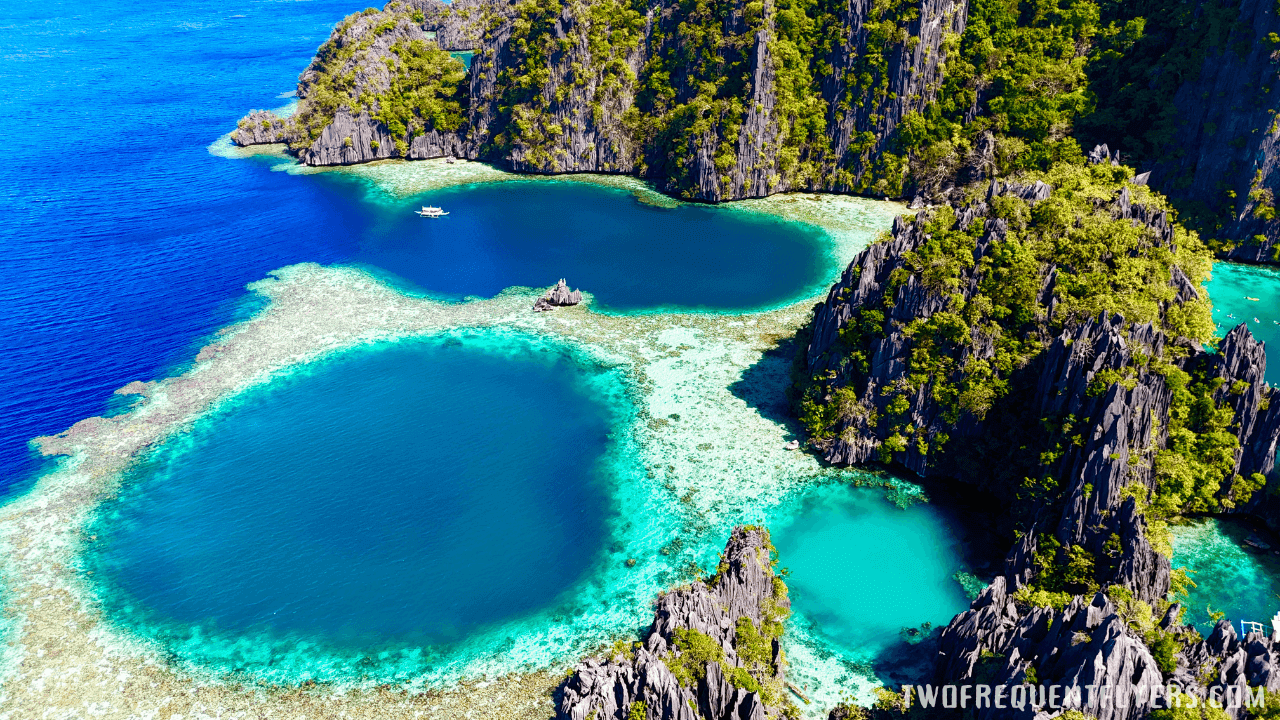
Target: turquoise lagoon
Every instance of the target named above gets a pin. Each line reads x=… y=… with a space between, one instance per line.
x=422 y=508
x=1250 y=293
x=1230 y=577
x=863 y=569
x=405 y=495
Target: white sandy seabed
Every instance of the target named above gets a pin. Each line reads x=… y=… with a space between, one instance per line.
x=691 y=455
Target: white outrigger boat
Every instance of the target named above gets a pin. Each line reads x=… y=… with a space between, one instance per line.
x=431 y=212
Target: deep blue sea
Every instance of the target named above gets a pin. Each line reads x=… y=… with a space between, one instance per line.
x=127 y=243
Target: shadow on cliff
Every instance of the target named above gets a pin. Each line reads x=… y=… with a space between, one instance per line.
x=908 y=661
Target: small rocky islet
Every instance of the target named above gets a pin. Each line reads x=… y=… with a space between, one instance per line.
x=1036 y=330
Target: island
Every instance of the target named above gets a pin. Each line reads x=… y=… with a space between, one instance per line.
x=717 y=101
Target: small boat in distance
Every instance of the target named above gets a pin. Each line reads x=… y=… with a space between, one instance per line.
x=431 y=212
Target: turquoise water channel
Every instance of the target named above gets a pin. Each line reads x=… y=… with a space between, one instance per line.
x=1249 y=294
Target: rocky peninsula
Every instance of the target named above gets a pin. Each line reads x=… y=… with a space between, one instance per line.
x=1044 y=343
x=728 y=100
x=714 y=650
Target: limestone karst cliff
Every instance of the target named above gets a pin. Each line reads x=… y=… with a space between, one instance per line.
x=1044 y=342
x=1222 y=161
x=713 y=101
x=713 y=650
x=723 y=99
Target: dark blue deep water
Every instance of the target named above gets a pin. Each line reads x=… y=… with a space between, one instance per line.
x=630 y=255
x=372 y=500
x=126 y=242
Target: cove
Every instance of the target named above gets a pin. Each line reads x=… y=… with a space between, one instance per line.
x=630 y=255
x=1231 y=578
x=119 y=264
x=1231 y=288
x=402 y=496
x=862 y=569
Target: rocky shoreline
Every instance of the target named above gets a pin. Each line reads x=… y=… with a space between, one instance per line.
x=1083 y=599
x=586 y=105
x=714 y=650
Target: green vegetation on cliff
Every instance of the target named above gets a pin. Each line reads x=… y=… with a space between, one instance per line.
x=1018 y=73
x=379 y=61
x=428 y=92
x=1103 y=264
x=1005 y=302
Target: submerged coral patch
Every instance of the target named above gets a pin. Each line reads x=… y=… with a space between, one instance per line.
x=699 y=440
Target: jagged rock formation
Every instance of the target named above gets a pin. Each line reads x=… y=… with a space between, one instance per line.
x=558 y=296
x=733 y=617
x=349 y=140
x=1066 y=370
x=1224 y=664
x=458 y=25
x=1082 y=645
x=578 y=107
x=1094 y=644
x=1241 y=365
x=260 y=127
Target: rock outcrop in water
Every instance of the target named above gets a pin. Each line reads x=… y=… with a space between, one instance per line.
x=712 y=652
x=558 y=296
x=1089 y=434
x=260 y=127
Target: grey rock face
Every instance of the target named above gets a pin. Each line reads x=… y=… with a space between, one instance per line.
x=458 y=25
x=259 y=127
x=864 y=281
x=1241 y=363
x=558 y=296
x=374 y=33
x=1226 y=138
x=606 y=688
x=914 y=73
x=1082 y=645
x=349 y=140
x=1227 y=666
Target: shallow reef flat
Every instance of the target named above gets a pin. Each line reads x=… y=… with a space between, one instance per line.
x=702 y=448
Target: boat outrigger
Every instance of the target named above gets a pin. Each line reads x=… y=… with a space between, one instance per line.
x=431 y=212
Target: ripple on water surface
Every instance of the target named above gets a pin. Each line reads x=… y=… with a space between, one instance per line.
x=408 y=495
